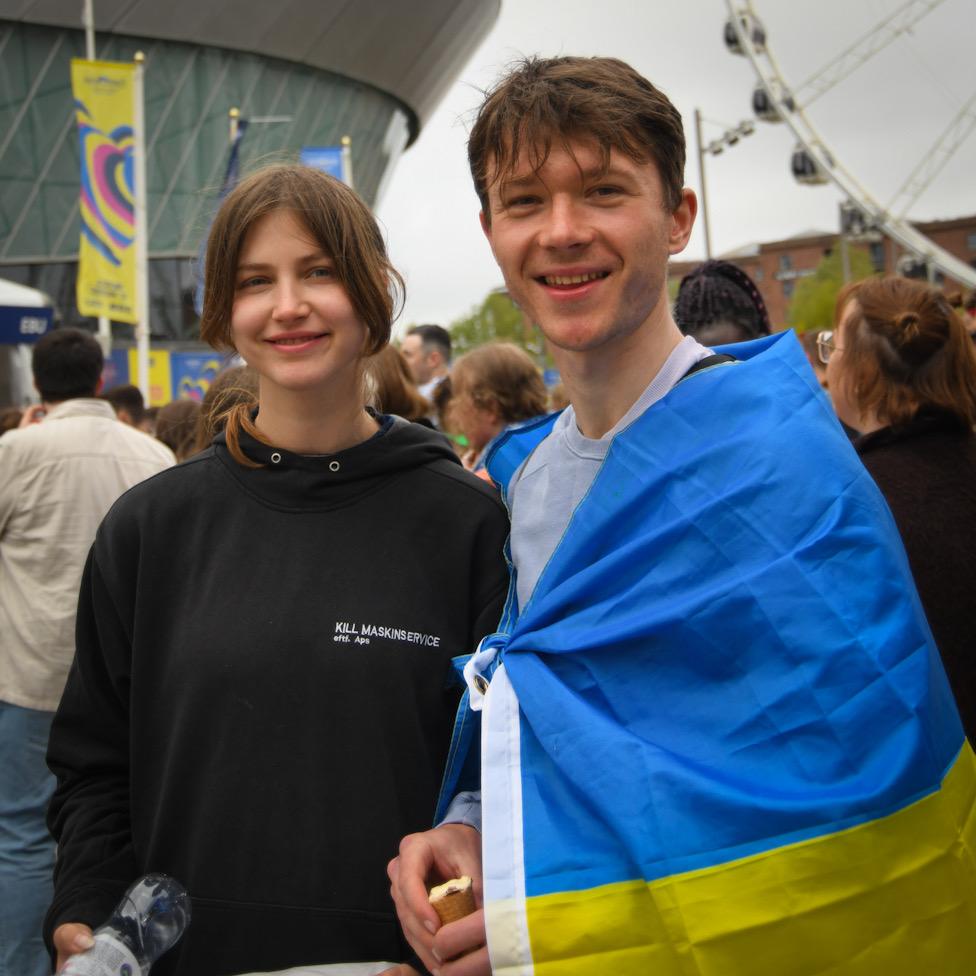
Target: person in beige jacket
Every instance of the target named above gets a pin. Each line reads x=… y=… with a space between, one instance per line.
x=59 y=475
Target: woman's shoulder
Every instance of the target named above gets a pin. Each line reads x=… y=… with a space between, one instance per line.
x=156 y=497
x=454 y=478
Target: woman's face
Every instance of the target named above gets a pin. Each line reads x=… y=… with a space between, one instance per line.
x=479 y=424
x=838 y=384
x=292 y=320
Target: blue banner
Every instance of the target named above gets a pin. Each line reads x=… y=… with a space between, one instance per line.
x=231 y=177
x=326 y=158
x=115 y=372
x=192 y=373
x=19 y=325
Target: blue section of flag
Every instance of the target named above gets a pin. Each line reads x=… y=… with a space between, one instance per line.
x=726 y=652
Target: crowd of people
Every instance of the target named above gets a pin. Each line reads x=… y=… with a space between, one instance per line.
x=674 y=660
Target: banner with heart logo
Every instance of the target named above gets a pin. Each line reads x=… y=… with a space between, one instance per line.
x=104 y=108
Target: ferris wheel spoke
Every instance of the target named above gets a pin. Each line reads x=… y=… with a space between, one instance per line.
x=863 y=49
x=934 y=160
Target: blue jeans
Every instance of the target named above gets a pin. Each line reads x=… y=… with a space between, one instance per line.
x=26 y=848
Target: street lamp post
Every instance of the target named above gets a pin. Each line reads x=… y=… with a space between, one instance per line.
x=701 y=181
x=728 y=138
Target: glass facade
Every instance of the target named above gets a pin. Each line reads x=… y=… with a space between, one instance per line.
x=189 y=90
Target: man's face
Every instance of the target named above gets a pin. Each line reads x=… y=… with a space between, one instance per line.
x=418 y=361
x=584 y=253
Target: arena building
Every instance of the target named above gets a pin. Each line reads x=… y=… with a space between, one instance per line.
x=305 y=73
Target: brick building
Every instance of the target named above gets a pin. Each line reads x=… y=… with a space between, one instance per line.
x=776 y=266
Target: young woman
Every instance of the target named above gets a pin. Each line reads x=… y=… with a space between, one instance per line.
x=262 y=699
x=901 y=371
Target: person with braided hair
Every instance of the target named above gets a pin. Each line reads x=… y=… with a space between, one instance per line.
x=901 y=370
x=718 y=303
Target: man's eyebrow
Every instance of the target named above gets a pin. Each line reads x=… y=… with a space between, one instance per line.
x=519 y=181
x=595 y=172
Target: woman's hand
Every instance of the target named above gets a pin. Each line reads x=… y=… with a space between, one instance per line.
x=70 y=939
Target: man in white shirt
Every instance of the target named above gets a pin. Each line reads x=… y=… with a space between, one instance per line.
x=58 y=478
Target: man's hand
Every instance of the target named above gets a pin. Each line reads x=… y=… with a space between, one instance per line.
x=400 y=970
x=430 y=858
x=70 y=939
x=33 y=414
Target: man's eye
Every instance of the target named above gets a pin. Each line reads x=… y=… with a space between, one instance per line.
x=606 y=190
x=526 y=200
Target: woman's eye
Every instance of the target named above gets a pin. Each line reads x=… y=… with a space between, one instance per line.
x=321 y=273
x=252 y=282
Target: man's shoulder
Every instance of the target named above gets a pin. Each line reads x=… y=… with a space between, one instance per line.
x=164 y=494
x=143 y=443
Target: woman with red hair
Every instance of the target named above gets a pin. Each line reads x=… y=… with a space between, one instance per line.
x=901 y=370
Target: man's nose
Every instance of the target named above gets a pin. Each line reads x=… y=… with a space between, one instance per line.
x=566 y=225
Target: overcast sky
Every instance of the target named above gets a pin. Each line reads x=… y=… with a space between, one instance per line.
x=879 y=123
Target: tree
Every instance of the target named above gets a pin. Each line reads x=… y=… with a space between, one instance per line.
x=496 y=319
x=812 y=307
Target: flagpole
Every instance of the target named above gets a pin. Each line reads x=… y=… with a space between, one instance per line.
x=88 y=22
x=347 y=161
x=142 y=243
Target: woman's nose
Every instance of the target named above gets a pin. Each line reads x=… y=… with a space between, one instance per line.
x=290 y=302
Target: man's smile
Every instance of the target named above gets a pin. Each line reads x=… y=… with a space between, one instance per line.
x=571 y=280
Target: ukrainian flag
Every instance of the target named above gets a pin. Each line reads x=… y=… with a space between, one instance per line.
x=720 y=740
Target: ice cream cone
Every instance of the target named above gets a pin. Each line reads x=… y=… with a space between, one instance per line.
x=453 y=900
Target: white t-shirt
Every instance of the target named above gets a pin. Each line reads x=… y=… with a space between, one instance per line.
x=552 y=481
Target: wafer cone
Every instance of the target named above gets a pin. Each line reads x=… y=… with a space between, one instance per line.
x=453 y=900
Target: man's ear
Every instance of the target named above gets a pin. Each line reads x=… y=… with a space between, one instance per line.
x=100 y=385
x=485 y=225
x=682 y=221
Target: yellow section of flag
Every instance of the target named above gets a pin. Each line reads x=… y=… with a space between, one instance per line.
x=104 y=109
x=894 y=896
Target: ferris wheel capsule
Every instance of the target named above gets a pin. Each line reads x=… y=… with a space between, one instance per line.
x=806 y=169
x=765 y=108
x=752 y=27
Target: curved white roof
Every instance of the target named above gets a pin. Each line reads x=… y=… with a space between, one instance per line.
x=21 y=296
x=411 y=49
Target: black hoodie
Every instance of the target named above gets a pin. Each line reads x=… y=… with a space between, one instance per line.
x=261 y=699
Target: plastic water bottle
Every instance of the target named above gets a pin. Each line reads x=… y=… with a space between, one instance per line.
x=149 y=920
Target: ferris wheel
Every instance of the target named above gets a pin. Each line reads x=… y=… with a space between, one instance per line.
x=814 y=162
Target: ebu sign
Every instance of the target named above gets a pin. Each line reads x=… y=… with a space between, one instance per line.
x=20 y=325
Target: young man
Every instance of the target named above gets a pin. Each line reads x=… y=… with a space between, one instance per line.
x=715 y=735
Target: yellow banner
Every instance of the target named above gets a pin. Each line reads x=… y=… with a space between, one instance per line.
x=104 y=106
x=160 y=376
